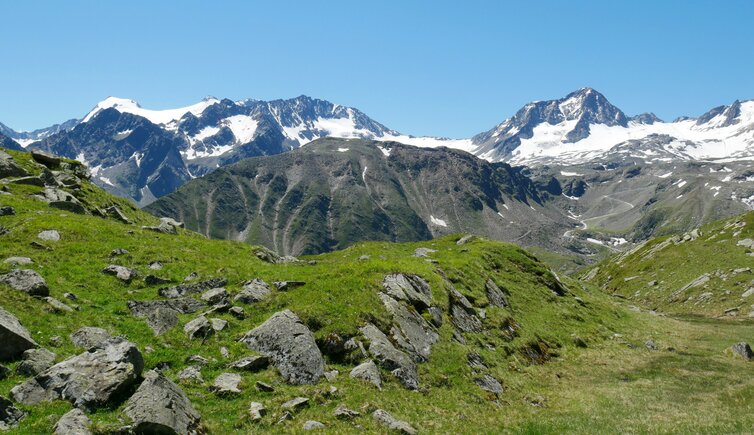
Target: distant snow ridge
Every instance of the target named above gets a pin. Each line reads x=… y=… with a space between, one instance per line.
x=584 y=126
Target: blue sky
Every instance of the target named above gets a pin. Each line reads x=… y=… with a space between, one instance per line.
x=421 y=67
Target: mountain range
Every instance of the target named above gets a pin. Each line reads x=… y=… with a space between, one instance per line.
x=184 y=143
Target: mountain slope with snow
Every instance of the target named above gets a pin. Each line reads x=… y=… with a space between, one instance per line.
x=584 y=126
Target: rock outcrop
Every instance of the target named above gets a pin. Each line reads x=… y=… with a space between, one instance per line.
x=160 y=407
x=89 y=380
x=27 y=281
x=14 y=337
x=290 y=346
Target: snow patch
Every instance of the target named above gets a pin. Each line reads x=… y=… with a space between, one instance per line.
x=438 y=222
x=342 y=150
x=570 y=174
x=155 y=116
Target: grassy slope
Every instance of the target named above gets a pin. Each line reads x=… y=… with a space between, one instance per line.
x=715 y=252
x=601 y=388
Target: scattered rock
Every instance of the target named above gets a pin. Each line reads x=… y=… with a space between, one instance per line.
x=390 y=358
x=490 y=384
x=364 y=258
x=410 y=288
x=331 y=375
x=73 y=422
x=462 y=313
x=61 y=199
x=162 y=316
x=166 y=226
x=7 y=211
x=313 y=425
x=343 y=413
x=58 y=306
x=264 y=387
x=495 y=295
x=296 y=404
x=251 y=363
x=411 y=331
x=46 y=159
x=122 y=273
x=160 y=406
x=284 y=286
x=746 y=243
x=49 y=236
x=237 y=312
x=35 y=361
x=476 y=361
x=89 y=337
x=14 y=337
x=257 y=411
x=114 y=212
x=198 y=328
x=290 y=346
x=253 y=291
x=285 y=417
x=369 y=372
x=156 y=280
x=10 y=416
x=27 y=281
x=744 y=350
x=70 y=296
x=4 y=372
x=187 y=289
x=215 y=296
x=269 y=256
x=385 y=419
x=118 y=252
x=198 y=359
x=650 y=344
x=155 y=265
x=9 y=168
x=192 y=374
x=88 y=380
x=30 y=181
x=423 y=252
x=218 y=325
x=226 y=383
x=18 y=261
x=465 y=239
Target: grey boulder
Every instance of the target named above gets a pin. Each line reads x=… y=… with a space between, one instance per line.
x=253 y=291
x=199 y=328
x=462 y=313
x=160 y=407
x=88 y=337
x=410 y=288
x=10 y=416
x=35 y=361
x=73 y=422
x=27 y=281
x=744 y=350
x=369 y=372
x=391 y=423
x=14 y=337
x=290 y=346
x=18 y=261
x=495 y=295
x=390 y=358
x=88 y=380
x=226 y=383
x=122 y=273
x=49 y=236
x=161 y=316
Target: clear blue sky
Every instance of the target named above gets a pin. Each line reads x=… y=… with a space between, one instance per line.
x=421 y=67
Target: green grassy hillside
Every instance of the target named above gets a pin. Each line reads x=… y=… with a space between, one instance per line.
x=569 y=358
x=704 y=272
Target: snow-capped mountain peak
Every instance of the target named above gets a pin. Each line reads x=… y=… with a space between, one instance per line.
x=167 y=116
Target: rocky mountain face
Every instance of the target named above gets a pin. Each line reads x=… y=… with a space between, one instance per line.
x=143 y=154
x=584 y=127
x=8 y=143
x=335 y=192
x=26 y=137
